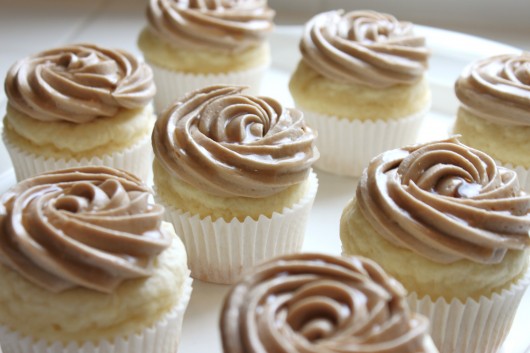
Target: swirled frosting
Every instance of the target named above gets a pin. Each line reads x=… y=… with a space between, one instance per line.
x=78 y=83
x=446 y=202
x=497 y=89
x=319 y=303
x=364 y=47
x=92 y=227
x=211 y=24
x=230 y=144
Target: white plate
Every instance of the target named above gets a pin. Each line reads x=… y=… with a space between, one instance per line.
x=451 y=52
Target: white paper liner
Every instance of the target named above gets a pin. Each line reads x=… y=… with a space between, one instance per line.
x=172 y=85
x=523 y=174
x=347 y=146
x=474 y=326
x=162 y=337
x=220 y=251
x=136 y=159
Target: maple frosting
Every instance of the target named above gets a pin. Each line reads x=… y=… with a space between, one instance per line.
x=497 y=89
x=211 y=24
x=230 y=144
x=78 y=83
x=445 y=201
x=319 y=303
x=92 y=227
x=364 y=47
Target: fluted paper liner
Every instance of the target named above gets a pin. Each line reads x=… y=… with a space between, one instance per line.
x=347 y=146
x=474 y=326
x=221 y=251
x=136 y=159
x=172 y=85
x=523 y=174
x=162 y=337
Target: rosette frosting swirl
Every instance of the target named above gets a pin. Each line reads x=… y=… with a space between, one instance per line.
x=364 y=47
x=497 y=89
x=78 y=83
x=207 y=24
x=230 y=144
x=445 y=201
x=92 y=227
x=319 y=303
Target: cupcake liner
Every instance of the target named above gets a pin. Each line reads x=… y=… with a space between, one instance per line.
x=523 y=174
x=136 y=159
x=474 y=326
x=347 y=146
x=162 y=337
x=221 y=251
x=172 y=85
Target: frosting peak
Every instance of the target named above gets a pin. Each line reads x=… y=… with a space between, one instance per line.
x=317 y=303
x=92 y=227
x=78 y=83
x=445 y=201
x=364 y=47
x=230 y=144
x=497 y=89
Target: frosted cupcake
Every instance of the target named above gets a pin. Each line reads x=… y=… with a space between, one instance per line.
x=321 y=303
x=79 y=105
x=494 y=113
x=361 y=84
x=234 y=173
x=452 y=227
x=87 y=265
x=193 y=44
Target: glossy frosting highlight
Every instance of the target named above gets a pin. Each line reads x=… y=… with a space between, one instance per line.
x=211 y=24
x=364 y=47
x=497 y=89
x=319 y=303
x=92 y=227
x=446 y=202
x=78 y=83
x=230 y=144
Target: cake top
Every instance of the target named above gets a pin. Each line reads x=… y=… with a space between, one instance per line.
x=497 y=89
x=446 y=202
x=211 y=24
x=92 y=227
x=364 y=47
x=230 y=144
x=317 y=303
x=78 y=83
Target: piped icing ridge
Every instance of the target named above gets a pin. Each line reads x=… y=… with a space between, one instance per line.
x=230 y=144
x=78 y=83
x=445 y=201
x=497 y=89
x=316 y=303
x=364 y=47
x=91 y=227
x=211 y=24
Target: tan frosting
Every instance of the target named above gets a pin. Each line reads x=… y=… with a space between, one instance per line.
x=446 y=202
x=78 y=83
x=497 y=89
x=229 y=144
x=319 y=303
x=211 y=24
x=92 y=227
x=364 y=47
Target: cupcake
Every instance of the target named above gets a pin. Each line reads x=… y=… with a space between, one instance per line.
x=361 y=84
x=234 y=173
x=79 y=105
x=193 y=44
x=87 y=265
x=320 y=303
x=452 y=227
x=494 y=113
